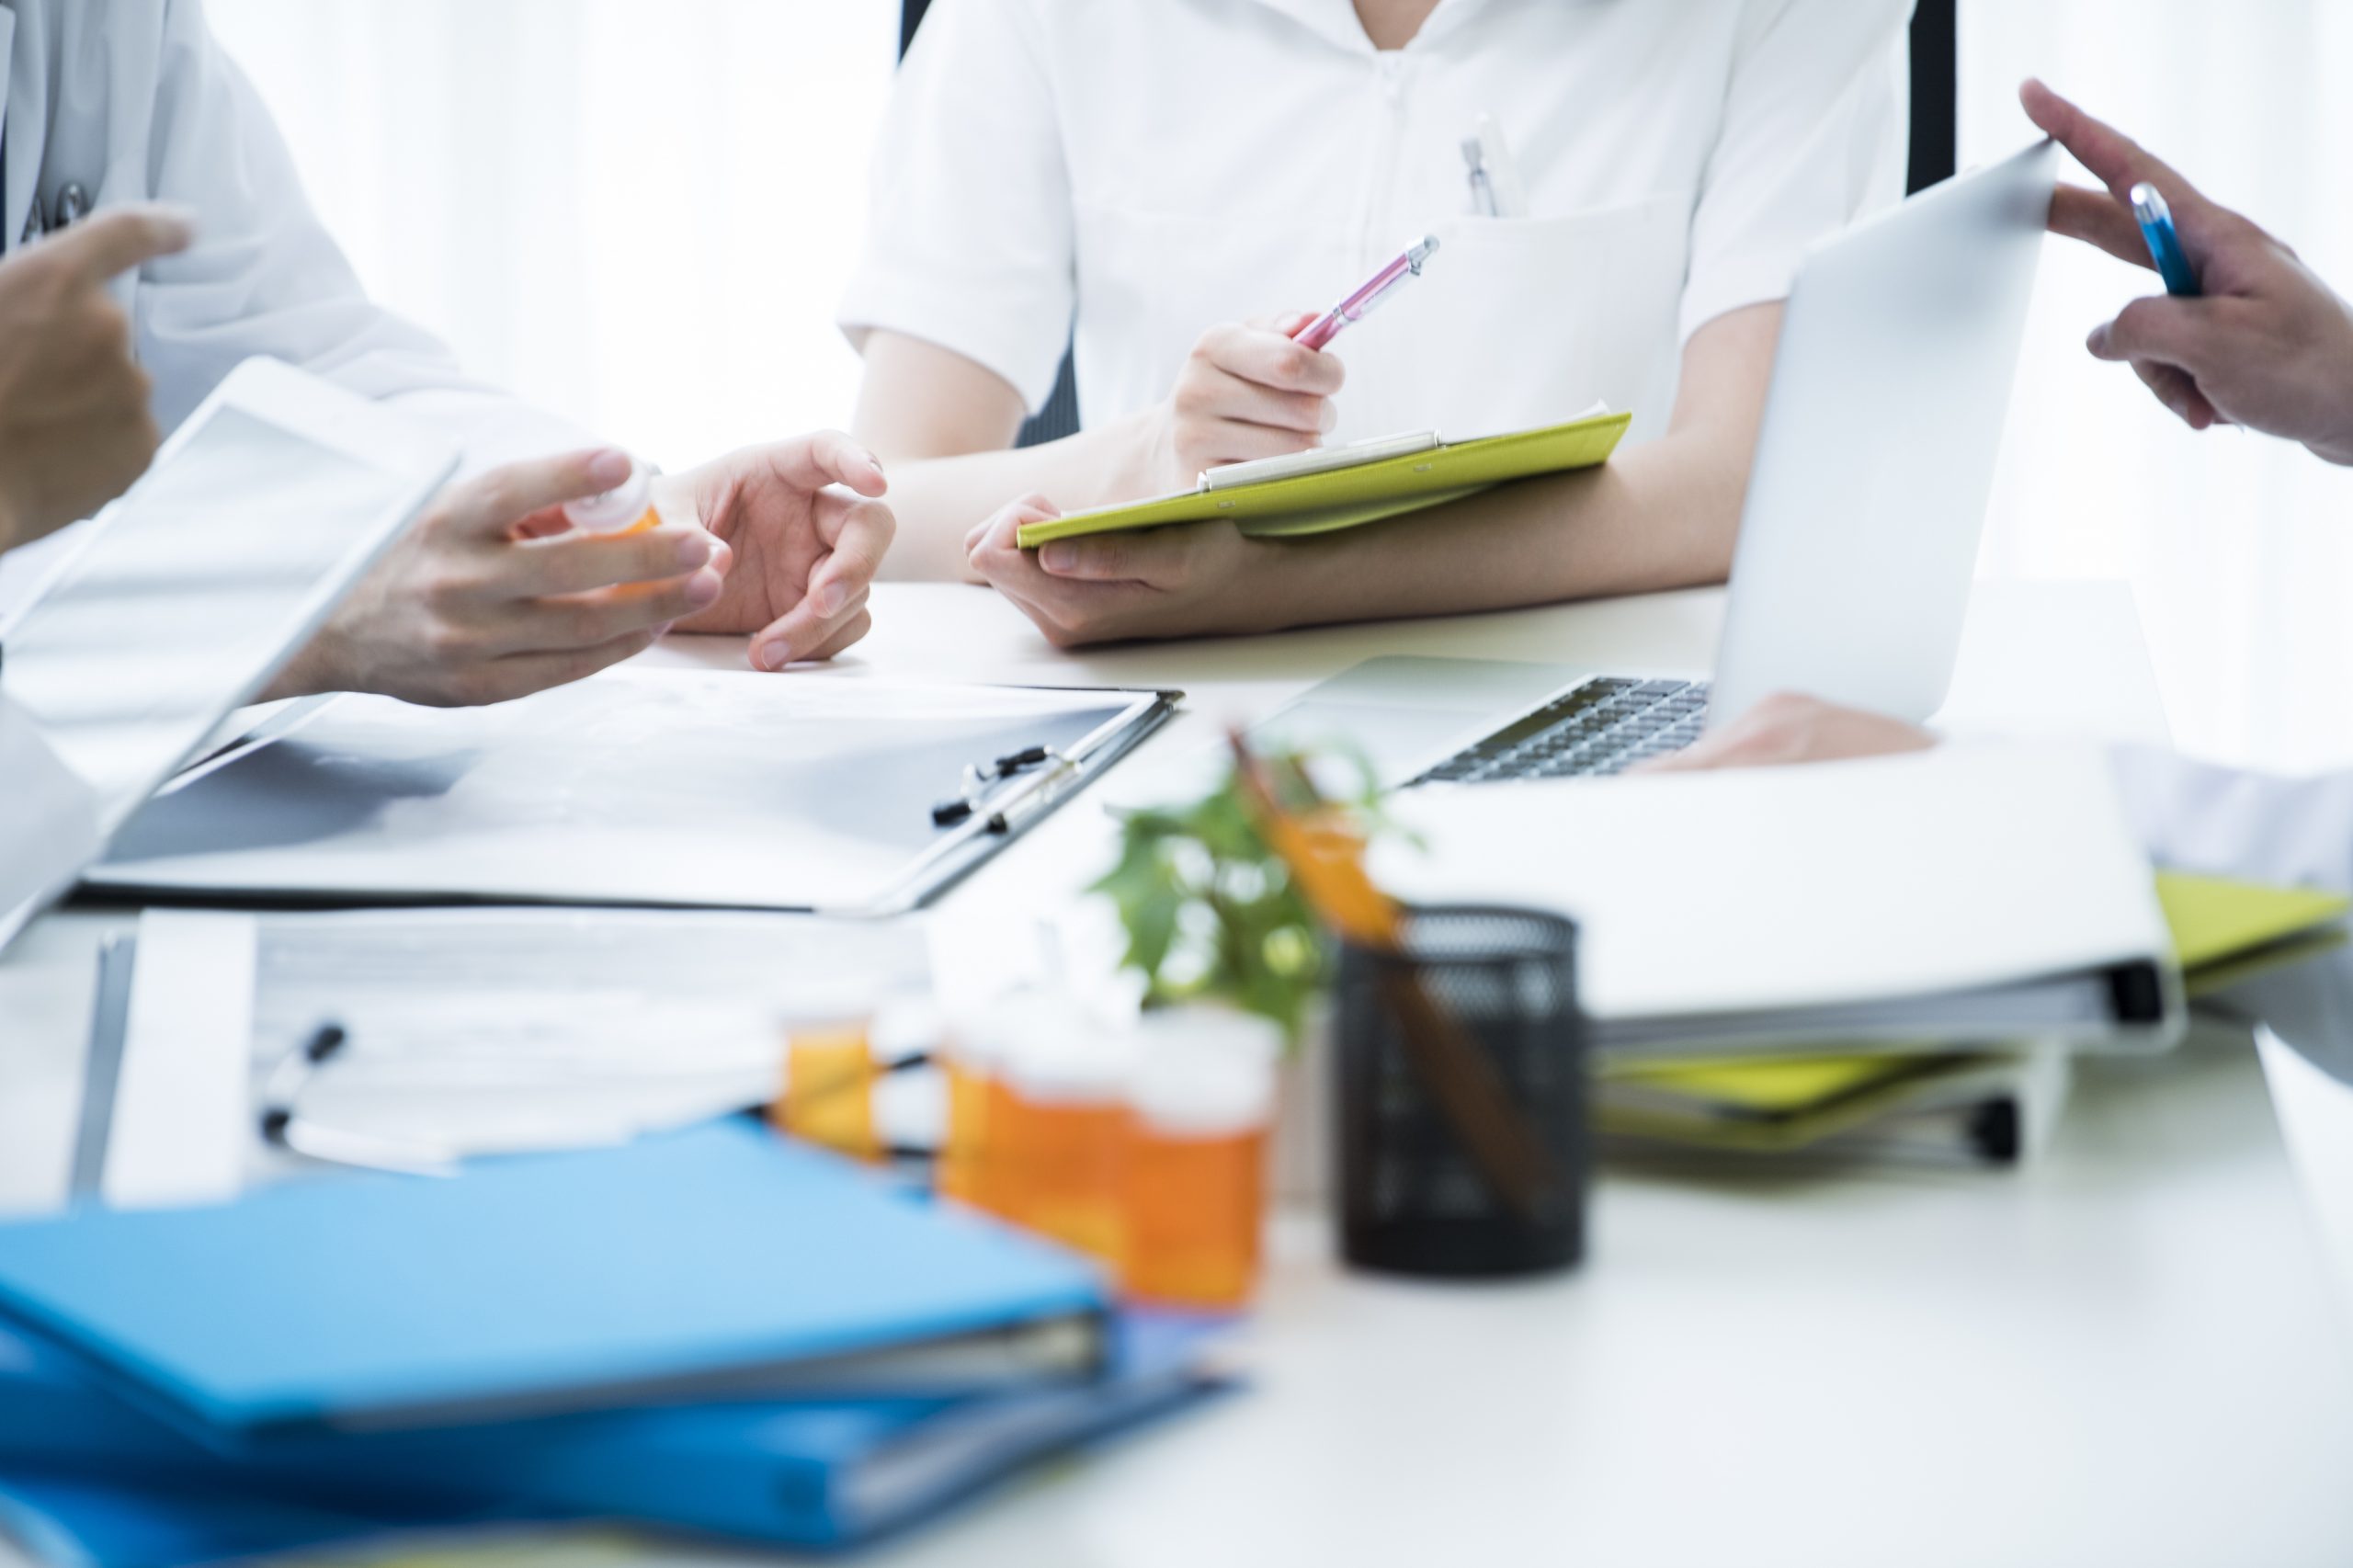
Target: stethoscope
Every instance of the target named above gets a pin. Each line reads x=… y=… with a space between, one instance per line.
x=73 y=205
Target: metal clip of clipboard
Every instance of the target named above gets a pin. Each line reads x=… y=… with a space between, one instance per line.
x=1026 y=796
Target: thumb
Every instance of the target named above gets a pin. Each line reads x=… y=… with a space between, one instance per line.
x=121 y=238
x=2169 y=331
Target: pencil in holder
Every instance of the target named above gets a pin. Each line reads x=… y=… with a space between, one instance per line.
x=1474 y=1006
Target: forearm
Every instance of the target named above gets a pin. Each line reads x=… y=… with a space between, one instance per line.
x=1664 y=516
x=939 y=500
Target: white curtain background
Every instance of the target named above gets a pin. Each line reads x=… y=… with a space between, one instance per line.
x=637 y=212
x=641 y=212
x=2240 y=549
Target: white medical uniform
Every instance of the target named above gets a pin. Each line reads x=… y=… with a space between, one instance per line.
x=113 y=101
x=1147 y=168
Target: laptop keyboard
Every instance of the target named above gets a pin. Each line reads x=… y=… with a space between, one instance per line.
x=1604 y=726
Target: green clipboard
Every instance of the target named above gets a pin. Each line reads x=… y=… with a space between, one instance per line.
x=1311 y=503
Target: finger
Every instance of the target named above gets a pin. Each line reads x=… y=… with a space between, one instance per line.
x=826 y=457
x=120 y=238
x=993 y=549
x=562 y=625
x=2099 y=219
x=2175 y=389
x=2115 y=159
x=1273 y=360
x=1231 y=441
x=2163 y=328
x=520 y=674
x=1153 y=556
x=799 y=631
x=491 y=507
x=1289 y=324
x=579 y=563
x=852 y=632
x=859 y=534
x=1221 y=394
x=1003 y=526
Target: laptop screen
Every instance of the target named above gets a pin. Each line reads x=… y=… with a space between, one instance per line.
x=183 y=601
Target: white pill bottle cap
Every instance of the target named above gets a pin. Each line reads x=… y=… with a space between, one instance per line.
x=616 y=508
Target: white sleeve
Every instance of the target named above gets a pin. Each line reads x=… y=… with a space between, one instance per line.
x=2200 y=817
x=969 y=242
x=1812 y=136
x=265 y=278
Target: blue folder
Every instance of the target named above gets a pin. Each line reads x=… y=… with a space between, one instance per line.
x=718 y=1260
x=110 y=1486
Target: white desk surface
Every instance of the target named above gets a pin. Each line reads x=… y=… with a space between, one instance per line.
x=2127 y=1354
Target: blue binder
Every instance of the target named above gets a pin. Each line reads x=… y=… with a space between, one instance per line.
x=120 y=1489
x=718 y=1260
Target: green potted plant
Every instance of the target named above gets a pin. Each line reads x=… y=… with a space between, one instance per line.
x=1214 y=918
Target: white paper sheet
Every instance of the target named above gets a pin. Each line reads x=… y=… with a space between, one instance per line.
x=699 y=788
x=476 y=1031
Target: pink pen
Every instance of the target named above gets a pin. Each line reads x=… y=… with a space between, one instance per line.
x=1359 y=305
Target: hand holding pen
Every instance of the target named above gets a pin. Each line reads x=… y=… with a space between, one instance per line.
x=1263 y=389
x=2246 y=334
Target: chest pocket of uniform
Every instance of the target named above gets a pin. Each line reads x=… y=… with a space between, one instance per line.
x=1523 y=321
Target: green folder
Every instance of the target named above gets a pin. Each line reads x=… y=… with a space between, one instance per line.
x=1343 y=499
x=2224 y=931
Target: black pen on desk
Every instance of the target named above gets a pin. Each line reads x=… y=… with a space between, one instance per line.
x=293 y=1071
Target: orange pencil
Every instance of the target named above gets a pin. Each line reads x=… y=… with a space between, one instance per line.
x=1328 y=862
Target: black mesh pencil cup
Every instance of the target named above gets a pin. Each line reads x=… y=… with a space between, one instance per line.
x=1460 y=1061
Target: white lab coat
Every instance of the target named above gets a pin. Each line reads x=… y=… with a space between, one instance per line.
x=2227 y=821
x=134 y=100
x=1144 y=169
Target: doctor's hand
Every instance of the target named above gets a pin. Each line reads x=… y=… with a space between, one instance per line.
x=1178 y=582
x=494 y=595
x=1246 y=392
x=1788 y=729
x=807 y=534
x=75 y=426
x=2268 y=346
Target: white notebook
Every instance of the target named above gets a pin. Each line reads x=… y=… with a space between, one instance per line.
x=1973 y=893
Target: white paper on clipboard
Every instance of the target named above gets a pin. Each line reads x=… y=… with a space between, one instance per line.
x=688 y=789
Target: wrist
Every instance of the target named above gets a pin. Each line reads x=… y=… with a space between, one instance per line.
x=1147 y=457
x=309 y=673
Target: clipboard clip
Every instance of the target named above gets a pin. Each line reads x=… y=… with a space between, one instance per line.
x=981 y=779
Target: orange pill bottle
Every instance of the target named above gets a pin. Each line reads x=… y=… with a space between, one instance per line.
x=1193 y=1179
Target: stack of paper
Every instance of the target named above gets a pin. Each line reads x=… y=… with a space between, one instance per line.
x=545 y=1337
x=1993 y=1107
x=1957 y=896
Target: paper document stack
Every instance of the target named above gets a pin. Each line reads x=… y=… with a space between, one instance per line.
x=1992 y=1107
x=1947 y=899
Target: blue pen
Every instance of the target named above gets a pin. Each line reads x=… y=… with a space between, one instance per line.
x=2156 y=227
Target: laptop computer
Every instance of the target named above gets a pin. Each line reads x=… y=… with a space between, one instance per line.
x=1858 y=540
x=183 y=601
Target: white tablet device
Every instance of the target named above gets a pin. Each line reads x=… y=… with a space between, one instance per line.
x=185 y=599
